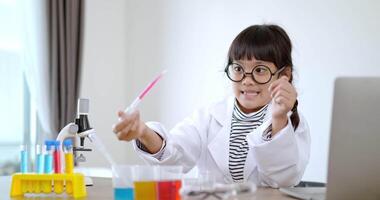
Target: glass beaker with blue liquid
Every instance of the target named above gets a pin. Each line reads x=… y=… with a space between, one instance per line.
x=122 y=182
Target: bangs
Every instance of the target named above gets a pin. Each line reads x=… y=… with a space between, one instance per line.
x=261 y=43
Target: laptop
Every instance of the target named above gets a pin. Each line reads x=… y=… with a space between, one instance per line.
x=354 y=152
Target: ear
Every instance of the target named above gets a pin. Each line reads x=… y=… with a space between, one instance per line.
x=287 y=72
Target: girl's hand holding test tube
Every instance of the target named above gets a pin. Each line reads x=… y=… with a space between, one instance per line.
x=130 y=126
x=284 y=96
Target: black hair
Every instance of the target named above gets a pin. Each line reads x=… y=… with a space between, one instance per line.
x=269 y=43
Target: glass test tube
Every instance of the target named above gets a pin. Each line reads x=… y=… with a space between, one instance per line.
x=58 y=184
x=23 y=159
x=57 y=157
x=69 y=158
x=69 y=162
x=40 y=151
x=49 y=157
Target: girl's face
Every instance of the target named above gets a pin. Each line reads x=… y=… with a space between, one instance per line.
x=250 y=95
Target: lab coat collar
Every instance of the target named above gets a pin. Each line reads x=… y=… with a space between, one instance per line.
x=222 y=110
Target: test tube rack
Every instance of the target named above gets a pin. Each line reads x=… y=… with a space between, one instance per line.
x=71 y=183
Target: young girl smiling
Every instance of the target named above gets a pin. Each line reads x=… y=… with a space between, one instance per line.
x=256 y=135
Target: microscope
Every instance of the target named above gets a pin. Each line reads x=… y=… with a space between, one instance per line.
x=79 y=131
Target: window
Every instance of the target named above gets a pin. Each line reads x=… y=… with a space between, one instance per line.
x=15 y=102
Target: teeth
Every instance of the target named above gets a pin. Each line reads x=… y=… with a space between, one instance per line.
x=250 y=93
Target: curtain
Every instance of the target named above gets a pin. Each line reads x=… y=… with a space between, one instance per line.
x=65 y=47
x=53 y=37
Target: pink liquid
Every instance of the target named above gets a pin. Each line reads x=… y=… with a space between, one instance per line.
x=169 y=190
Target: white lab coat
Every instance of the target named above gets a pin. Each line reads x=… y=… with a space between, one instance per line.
x=203 y=141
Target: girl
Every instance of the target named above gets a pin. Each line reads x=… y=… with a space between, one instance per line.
x=256 y=135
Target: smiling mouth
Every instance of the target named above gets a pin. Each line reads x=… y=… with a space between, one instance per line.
x=250 y=93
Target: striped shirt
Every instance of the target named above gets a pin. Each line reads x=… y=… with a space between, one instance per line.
x=241 y=125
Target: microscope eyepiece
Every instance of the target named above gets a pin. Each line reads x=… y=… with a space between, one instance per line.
x=82 y=115
x=83 y=106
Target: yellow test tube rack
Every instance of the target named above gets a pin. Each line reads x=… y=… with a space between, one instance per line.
x=71 y=183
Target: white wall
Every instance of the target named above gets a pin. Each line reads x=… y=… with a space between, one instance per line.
x=104 y=75
x=128 y=42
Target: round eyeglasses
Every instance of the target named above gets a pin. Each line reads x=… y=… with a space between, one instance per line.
x=261 y=74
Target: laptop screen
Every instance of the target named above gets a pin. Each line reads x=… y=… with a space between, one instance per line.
x=354 y=153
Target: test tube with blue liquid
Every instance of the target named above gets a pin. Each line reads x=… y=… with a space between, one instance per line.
x=24 y=166
x=40 y=149
x=23 y=159
x=46 y=186
x=39 y=167
x=48 y=167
